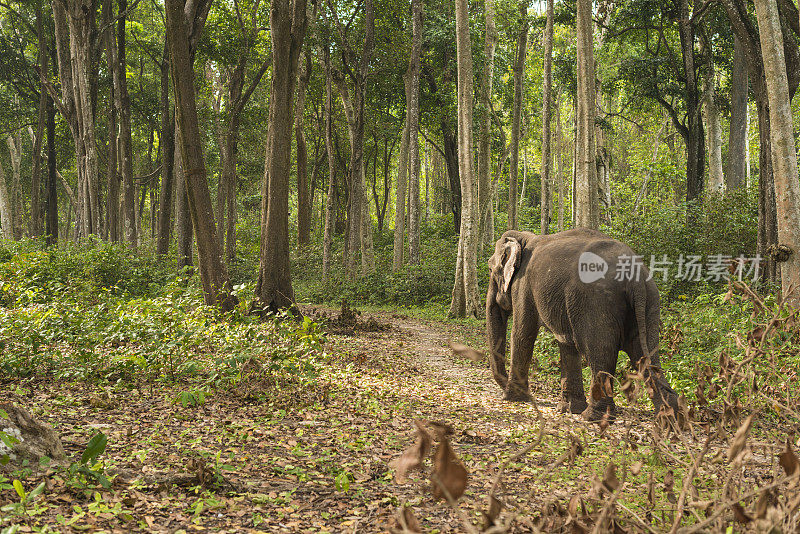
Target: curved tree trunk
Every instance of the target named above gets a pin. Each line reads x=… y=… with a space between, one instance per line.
x=213 y=273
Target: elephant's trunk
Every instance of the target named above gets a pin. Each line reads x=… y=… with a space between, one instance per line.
x=496 y=328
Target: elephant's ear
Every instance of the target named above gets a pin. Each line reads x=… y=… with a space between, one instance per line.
x=512 y=258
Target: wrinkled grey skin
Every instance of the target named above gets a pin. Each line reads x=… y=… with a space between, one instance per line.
x=536 y=278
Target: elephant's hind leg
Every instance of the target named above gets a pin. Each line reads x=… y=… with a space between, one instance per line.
x=573 y=398
x=603 y=359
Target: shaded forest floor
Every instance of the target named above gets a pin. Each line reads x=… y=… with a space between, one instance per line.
x=319 y=462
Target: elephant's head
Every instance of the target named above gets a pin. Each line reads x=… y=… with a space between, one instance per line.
x=504 y=263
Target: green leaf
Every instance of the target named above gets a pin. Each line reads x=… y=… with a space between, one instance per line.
x=96 y=447
x=20 y=490
x=37 y=491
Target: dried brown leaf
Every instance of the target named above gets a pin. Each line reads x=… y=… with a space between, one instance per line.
x=740 y=439
x=572 y=508
x=490 y=516
x=610 y=480
x=407 y=522
x=788 y=460
x=413 y=456
x=449 y=470
x=739 y=514
x=465 y=351
x=636 y=468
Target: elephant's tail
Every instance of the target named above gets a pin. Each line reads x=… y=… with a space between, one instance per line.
x=640 y=311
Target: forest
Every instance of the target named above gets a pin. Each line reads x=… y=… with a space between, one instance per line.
x=356 y=266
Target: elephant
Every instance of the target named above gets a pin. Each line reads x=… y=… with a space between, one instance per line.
x=570 y=283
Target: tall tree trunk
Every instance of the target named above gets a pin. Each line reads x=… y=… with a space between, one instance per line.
x=465 y=289
x=14 y=142
x=784 y=151
x=123 y=104
x=6 y=215
x=693 y=133
x=167 y=196
x=485 y=121
x=36 y=173
x=519 y=73
x=413 y=133
x=80 y=18
x=183 y=220
x=450 y=143
x=274 y=289
x=51 y=200
x=213 y=273
x=303 y=201
x=330 y=206
x=737 y=139
x=112 y=175
x=560 y=166
x=402 y=182
x=585 y=193
x=716 y=180
x=547 y=104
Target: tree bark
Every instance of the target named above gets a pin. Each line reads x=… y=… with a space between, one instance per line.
x=123 y=104
x=485 y=121
x=693 y=132
x=330 y=206
x=586 y=201
x=36 y=173
x=402 y=182
x=6 y=216
x=112 y=176
x=303 y=200
x=716 y=180
x=213 y=273
x=15 y=155
x=183 y=220
x=465 y=289
x=547 y=104
x=274 y=291
x=450 y=143
x=737 y=139
x=167 y=196
x=51 y=200
x=560 y=167
x=413 y=133
x=784 y=152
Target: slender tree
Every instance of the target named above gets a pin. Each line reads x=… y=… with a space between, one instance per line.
x=486 y=230
x=547 y=105
x=585 y=193
x=465 y=289
x=413 y=133
x=516 y=117
x=402 y=181
x=736 y=174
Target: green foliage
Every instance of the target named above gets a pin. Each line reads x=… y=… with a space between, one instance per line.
x=103 y=315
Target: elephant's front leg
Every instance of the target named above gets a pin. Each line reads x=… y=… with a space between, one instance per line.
x=523 y=337
x=573 y=398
